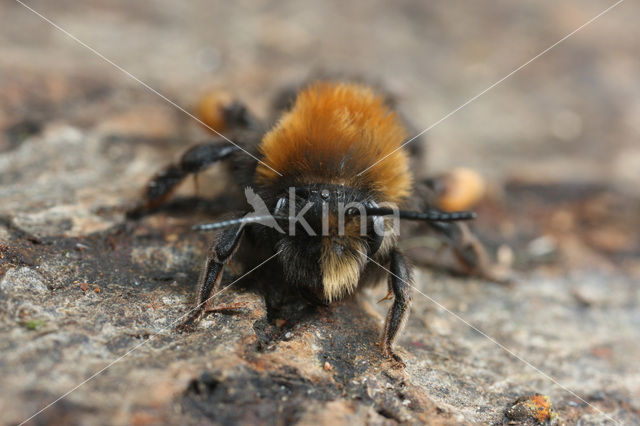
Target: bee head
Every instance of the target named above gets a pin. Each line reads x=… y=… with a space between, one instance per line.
x=325 y=233
x=324 y=245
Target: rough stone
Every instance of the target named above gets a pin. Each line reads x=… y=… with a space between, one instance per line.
x=78 y=142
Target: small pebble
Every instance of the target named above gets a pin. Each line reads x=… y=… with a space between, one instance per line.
x=327 y=367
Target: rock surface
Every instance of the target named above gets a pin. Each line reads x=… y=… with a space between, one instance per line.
x=89 y=298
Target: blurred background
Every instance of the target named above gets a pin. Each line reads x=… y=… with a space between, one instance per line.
x=572 y=114
x=556 y=142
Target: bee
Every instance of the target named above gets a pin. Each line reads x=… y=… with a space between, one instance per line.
x=330 y=179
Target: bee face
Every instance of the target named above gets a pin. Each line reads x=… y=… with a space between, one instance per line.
x=326 y=249
x=328 y=266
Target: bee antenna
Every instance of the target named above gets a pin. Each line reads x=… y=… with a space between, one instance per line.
x=430 y=216
x=230 y=222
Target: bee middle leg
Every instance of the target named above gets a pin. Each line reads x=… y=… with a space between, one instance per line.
x=400 y=286
x=194 y=160
x=468 y=251
x=223 y=249
x=470 y=254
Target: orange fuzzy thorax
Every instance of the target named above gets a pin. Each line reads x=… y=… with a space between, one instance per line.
x=333 y=132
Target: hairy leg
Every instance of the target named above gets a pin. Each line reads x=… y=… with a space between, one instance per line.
x=222 y=113
x=194 y=160
x=400 y=286
x=469 y=253
x=467 y=249
x=224 y=248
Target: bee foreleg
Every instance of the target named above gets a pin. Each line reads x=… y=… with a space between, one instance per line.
x=225 y=246
x=400 y=286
